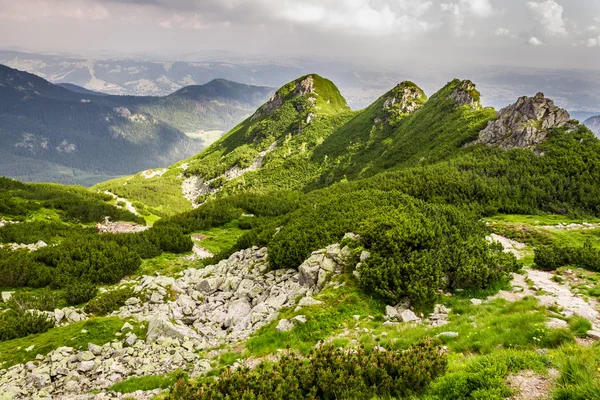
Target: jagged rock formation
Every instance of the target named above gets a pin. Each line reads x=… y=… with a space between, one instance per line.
x=466 y=94
x=406 y=98
x=524 y=124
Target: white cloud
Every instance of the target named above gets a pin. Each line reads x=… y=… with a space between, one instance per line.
x=593 y=42
x=502 y=32
x=481 y=8
x=359 y=16
x=549 y=14
x=535 y=41
x=36 y=10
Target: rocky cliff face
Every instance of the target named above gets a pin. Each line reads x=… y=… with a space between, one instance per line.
x=406 y=98
x=524 y=124
x=466 y=94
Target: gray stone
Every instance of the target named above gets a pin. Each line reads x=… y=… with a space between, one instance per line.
x=86 y=366
x=301 y=319
x=284 y=325
x=309 y=301
x=160 y=325
x=94 y=349
x=127 y=327
x=524 y=124
x=408 y=316
x=86 y=356
x=555 y=323
x=448 y=334
x=594 y=335
x=236 y=312
x=6 y=296
x=476 y=302
x=391 y=312
x=131 y=339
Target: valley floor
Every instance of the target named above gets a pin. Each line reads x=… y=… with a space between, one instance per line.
x=532 y=338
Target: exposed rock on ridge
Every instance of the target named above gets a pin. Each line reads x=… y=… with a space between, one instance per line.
x=303 y=87
x=524 y=124
x=466 y=94
x=405 y=98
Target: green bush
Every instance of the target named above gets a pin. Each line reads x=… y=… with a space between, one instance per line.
x=580 y=326
x=78 y=292
x=327 y=373
x=43 y=300
x=556 y=256
x=110 y=301
x=19 y=323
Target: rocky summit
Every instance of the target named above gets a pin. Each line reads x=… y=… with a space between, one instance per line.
x=524 y=124
x=466 y=94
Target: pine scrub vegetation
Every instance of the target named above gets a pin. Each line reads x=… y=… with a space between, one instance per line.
x=326 y=374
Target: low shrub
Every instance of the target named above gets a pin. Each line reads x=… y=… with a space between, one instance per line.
x=79 y=292
x=327 y=373
x=43 y=300
x=580 y=326
x=110 y=301
x=19 y=323
x=556 y=256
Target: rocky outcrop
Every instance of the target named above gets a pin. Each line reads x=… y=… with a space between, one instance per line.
x=466 y=94
x=316 y=271
x=66 y=373
x=226 y=302
x=524 y=124
x=303 y=87
x=406 y=98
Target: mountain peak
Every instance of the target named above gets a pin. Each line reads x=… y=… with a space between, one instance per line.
x=465 y=93
x=310 y=91
x=524 y=124
x=404 y=99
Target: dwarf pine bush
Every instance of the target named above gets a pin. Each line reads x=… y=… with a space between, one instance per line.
x=327 y=373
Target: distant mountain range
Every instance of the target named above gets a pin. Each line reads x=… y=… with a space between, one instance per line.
x=72 y=135
x=361 y=83
x=594 y=124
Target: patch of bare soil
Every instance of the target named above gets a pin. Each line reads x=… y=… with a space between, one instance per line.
x=529 y=385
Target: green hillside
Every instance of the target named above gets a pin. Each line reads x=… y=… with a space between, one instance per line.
x=84 y=138
x=417 y=249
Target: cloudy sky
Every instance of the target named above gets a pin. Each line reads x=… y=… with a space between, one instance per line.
x=543 y=33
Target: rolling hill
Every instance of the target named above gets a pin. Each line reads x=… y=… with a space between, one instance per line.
x=75 y=137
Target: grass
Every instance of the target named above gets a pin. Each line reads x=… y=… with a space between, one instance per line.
x=338 y=308
x=540 y=220
x=166 y=264
x=221 y=238
x=145 y=383
x=530 y=229
x=99 y=331
x=579 y=373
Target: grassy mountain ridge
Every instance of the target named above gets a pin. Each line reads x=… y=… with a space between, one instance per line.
x=108 y=135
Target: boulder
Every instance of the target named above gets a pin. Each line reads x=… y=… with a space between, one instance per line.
x=408 y=316
x=301 y=319
x=160 y=325
x=555 y=323
x=476 y=302
x=308 y=301
x=594 y=335
x=448 y=334
x=285 y=325
x=6 y=296
x=391 y=312
x=236 y=312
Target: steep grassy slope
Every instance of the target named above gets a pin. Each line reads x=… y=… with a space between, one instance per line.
x=394 y=134
x=69 y=132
